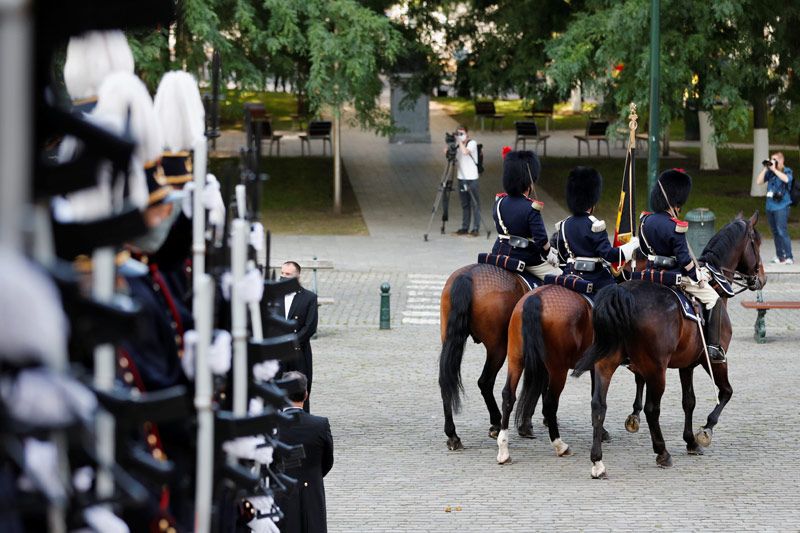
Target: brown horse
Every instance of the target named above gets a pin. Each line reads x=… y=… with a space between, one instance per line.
x=550 y=328
x=642 y=321
x=477 y=301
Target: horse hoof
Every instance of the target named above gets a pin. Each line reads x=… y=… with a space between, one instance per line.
x=703 y=437
x=561 y=448
x=694 y=449
x=493 y=431
x=632 y=423
x=599 y=470
x=526 y=432
x=664 y=460
x=503 y=458
x=454 y=443
x=606 y=437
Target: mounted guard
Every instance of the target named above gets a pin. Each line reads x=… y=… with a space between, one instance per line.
x=582 y=240
x=522 y=243
x=664 y=242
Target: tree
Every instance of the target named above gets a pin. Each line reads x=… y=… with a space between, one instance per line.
x=347 y=45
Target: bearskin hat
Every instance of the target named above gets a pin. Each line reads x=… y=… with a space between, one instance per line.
x=519 y=168
x=677 y=184
x=583 y=189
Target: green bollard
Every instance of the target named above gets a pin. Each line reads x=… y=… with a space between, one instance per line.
x=385 y=313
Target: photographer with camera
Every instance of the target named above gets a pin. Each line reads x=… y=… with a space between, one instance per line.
x=778 y=178
x=466 y=159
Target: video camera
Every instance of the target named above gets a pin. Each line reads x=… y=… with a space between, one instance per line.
x=452 y=145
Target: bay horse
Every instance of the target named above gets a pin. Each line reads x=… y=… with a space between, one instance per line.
x=643 y=321
x=549 y=330
x=477 y=301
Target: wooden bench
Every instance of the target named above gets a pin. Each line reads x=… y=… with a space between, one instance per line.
x=258 y=126
x=317 y=130
x=529 y=131
x=484 y=110
x=595 y=131
x=760 y=327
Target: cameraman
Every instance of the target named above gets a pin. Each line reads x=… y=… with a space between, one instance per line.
x=467 y=165
x=779 y=182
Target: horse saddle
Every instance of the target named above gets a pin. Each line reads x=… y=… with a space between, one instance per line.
x=512 y=265
x=571 y=282
x=686 y=304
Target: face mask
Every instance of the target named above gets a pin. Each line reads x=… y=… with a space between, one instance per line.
x=462 y=136
x=153 y=240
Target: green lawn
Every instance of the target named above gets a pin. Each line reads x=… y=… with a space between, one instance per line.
x=725 y=192
x=463 y=111
x=280 y=105
x=298 y=197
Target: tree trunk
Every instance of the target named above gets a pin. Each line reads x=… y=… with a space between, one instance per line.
x=760 y=142
x=708 y=150
x=575 y=99
x=337 y=162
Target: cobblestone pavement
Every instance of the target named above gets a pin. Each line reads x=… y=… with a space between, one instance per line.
x=394 y=473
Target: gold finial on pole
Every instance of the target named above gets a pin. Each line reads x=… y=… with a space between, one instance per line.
x=632 y=124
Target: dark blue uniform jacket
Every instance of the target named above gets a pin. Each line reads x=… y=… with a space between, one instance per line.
x=585 y=242
x=660 y=234
x=521 y=220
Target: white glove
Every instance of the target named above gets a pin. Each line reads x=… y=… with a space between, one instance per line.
x=702 y=276
x=629 y=248
x=212 y=200
x=552 y=257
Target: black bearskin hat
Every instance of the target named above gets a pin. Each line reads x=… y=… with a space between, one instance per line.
x=677 y=184
x=519 y=168
x=583 y=189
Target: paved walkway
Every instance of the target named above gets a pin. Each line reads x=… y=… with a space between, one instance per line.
x=379 y=390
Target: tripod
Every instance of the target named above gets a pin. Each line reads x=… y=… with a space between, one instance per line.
x=443 y=198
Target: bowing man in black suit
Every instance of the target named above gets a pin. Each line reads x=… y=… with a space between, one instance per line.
x=302 y=307
x=304 y=509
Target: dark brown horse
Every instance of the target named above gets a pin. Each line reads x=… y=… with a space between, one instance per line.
x=550 y=328
x=642 y=321
x=477 y=302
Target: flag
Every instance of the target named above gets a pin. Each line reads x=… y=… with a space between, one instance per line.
x=625 y=227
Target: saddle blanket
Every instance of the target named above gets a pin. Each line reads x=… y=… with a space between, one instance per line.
x=529 y=280
x=686 y=306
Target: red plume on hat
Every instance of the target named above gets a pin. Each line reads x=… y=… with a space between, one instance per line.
x=505 y=151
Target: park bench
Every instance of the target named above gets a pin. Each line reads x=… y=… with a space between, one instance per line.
x=542 y=111
x=595 y=131
x=760 y=327
x=529 y=131
x=317 y=130
x=258 y=122
x=484 y=110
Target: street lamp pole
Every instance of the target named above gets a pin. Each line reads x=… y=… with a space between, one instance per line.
x=655 y=79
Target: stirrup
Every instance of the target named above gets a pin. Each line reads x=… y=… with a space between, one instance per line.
x=716 y=353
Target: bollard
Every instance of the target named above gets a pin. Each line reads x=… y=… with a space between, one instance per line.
x=385 y=313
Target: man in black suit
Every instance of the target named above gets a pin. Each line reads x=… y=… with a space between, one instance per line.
x=300 y=306
x=304 y=509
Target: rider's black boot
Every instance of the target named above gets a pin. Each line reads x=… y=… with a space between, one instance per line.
x=713 y=328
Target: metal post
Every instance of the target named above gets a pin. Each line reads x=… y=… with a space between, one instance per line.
x=203 y=310
x=655 y=80
x=385 y=310
x=239 y=317
x=104 y=372
x=314 y=279
x=198 y=218
x=15 y=108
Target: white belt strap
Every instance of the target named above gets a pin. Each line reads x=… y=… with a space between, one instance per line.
x=500 y=219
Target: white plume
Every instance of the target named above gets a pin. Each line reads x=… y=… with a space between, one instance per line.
x=180 y=111
x=93 y=56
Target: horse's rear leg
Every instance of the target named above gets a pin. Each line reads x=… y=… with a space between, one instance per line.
x=603 y=371
x=495 y=357
x=606 y=435
x=652 y=411
x=634 y=420
x=689 y=401
x=453 y=440
x=705 y=433
x=550 y=409
x=509 y=398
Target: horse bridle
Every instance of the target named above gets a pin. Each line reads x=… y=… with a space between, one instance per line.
x=740 y=279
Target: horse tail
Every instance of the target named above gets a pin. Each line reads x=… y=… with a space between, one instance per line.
x=533 y=351
x=455 y=336
x=612 y=319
